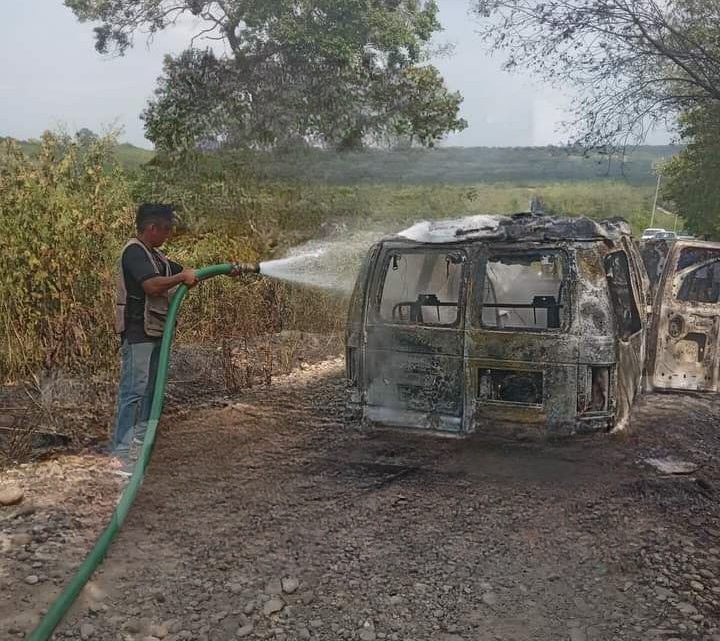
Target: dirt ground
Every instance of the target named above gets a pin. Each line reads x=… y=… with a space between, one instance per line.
x=273 y=515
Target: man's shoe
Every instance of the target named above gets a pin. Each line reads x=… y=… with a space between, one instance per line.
x=120 y=467
x=135 y=449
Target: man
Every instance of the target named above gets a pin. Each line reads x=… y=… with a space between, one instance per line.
x=146 y=280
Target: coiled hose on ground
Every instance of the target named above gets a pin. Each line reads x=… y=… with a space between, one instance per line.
x=62 y=604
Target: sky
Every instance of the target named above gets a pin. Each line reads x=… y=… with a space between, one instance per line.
x=51 y=77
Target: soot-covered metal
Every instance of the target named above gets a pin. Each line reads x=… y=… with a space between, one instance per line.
x=685 y=333
x=500 y=323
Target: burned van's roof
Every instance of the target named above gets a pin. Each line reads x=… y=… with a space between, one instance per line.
x=518 y=227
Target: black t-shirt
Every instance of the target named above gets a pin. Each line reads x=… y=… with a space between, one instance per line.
x=137 y=268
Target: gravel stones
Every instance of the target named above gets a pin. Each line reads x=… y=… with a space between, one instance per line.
x=273 y=587
x=290 y=585
x=22 y=538
x=686 y=608
x=279 y=502
x=576 y=634
x=11 y=495
x=244 y=631
x=159 y=630
x=272 y=606
x=367 y=632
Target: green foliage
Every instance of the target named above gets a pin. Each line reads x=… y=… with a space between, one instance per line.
x=66 y=211
x=334 y=72
x=692 y=176
x=128 y=156
x=62 y=214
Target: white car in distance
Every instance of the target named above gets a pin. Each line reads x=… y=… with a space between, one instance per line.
x=651 y=232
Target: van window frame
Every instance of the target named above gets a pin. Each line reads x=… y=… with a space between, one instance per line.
x=633 y=293
x=481 y=270
x=681 y=272
x=381 y=275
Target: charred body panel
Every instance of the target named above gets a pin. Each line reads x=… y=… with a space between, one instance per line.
x=685 y=330
x=493 y=322
x=654 y=253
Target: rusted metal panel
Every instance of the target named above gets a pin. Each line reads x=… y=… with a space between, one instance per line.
x=654 y=252
x=686 y=326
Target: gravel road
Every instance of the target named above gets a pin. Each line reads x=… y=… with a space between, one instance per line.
x=273 y=515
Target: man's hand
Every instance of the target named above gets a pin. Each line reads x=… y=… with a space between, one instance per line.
x=160 y=284
x=189 y=277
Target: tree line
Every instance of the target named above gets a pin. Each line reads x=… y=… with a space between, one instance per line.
x=345 y=74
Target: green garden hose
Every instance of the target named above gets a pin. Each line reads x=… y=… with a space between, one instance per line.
x=61 y=605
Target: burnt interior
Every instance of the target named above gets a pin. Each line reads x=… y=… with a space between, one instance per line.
x=511 y=386
x=524 y=290
x=422 y=288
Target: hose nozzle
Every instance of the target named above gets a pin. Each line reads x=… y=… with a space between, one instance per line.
x=246 y=268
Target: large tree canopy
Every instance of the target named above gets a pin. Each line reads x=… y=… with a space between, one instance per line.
x=333 y=72
x=693 y=176
x=634 y=63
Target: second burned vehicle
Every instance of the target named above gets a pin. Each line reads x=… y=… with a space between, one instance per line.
x=495 y=322
x=684 y=349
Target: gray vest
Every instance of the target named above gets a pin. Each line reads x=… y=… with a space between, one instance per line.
x=156 y=307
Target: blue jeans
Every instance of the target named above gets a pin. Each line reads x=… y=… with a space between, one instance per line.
x=137 y=384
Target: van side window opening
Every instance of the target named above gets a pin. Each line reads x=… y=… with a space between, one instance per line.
x=690 y=256
x=622 y=298
x=702 y=284
x=422 y=288
x=525 y=291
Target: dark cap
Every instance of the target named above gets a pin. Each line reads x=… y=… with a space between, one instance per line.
x=149 y=213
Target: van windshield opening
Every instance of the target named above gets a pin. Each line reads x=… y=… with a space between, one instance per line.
x=525 y=290
x=422 y=288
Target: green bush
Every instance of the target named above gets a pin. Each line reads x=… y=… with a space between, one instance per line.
x=62 y=214
x=67 y=209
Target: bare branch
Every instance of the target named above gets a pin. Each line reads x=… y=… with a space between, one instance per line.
x=629 y=59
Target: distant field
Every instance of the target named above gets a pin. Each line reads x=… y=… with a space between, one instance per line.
x=462 y=165
x=388 y=189
x=129 y=156
x=302 y=211
x=524 y=166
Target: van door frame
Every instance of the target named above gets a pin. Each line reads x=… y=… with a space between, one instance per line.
x=428 y=344
x=684 y=318
x=630 y=365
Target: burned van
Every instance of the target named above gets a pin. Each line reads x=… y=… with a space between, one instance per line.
x=500 y=323
x=684 y=352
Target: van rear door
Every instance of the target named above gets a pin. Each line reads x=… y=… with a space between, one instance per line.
x=684 y=354
x=413 y=374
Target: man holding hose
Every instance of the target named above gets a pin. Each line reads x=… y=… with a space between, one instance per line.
x=145 y=282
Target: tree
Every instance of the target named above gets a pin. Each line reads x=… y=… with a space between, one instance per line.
x=635 y=63
x=86 y=137
x=332 y=72
x=692 y=176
